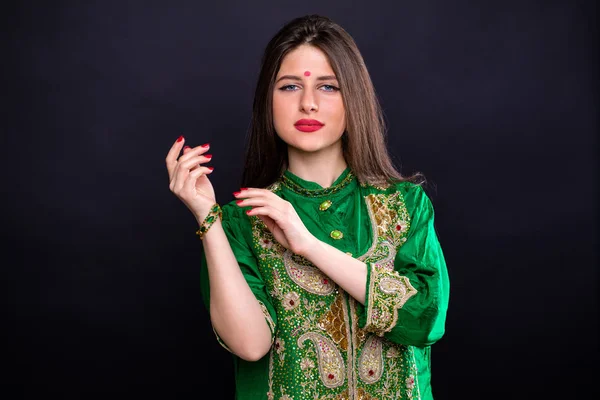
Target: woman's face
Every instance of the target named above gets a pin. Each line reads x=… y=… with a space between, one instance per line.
x=307 y=89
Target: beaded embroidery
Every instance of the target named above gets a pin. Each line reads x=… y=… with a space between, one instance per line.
x=319 y=352
x=294 y=187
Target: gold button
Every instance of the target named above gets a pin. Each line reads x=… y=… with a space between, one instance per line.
x=325 y=205
x=350 y=254
x=337 y=235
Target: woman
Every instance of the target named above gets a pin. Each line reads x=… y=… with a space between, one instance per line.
x=325 y=277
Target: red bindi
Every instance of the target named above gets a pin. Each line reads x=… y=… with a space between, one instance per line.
x=306 y=73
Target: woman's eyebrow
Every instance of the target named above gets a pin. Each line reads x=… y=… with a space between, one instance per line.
x=297 y=78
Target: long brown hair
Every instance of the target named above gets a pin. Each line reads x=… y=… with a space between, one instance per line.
x=363 y=142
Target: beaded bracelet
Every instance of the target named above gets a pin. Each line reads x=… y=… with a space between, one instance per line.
x=214 y=213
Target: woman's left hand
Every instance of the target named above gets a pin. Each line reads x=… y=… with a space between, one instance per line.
x=279 y=216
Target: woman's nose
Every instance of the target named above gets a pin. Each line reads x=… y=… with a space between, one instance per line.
x=308 y=102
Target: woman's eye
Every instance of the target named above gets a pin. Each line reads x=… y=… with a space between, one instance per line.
x=288 y=87
x=330 y=88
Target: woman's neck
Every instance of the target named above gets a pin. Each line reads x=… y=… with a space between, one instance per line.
x=322 y=167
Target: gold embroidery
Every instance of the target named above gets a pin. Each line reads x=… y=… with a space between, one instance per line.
x=270 y=395
x=347 y=304
x=388 y=292
x=307 y=276
x=341 y=352
x=370 y=363
x=280 y=349
x=291 y=300
x=384 y=216
x=221 y=342
x=362 y=395
x=379 y=186
x=331 y=363
x=334 y=323
x=274 y=187
x=412 y=382
x=390 y=215
x=270 y=321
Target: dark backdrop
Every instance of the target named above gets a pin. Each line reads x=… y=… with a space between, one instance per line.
x=495 y=102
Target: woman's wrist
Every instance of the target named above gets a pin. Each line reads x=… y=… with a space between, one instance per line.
x=312 y=243
x=215 y=213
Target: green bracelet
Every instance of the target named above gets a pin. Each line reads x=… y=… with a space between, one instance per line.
x=214 y=213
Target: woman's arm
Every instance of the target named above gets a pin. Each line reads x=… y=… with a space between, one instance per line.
x=235 y=313
x=408 y=302
x=347 y=272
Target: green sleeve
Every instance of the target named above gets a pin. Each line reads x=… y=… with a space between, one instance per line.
x=408 y=303
x=238 y=230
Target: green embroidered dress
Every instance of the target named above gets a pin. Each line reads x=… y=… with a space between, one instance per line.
x=326 y=345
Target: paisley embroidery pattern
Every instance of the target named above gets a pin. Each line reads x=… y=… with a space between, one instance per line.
x=384 y=254
x=307 y=276
x=370 y=363
x=341 y=361
x=388 y=292
x=331 y=363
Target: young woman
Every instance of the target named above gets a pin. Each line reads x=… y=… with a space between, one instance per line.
x=325 y=277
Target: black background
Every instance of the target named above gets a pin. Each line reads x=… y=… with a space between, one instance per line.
x=495 y=102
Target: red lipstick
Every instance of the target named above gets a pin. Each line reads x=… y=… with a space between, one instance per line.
x=308 y=125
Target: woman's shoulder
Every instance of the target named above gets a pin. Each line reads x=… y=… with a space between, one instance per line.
x=406 y=194
x=404 y=187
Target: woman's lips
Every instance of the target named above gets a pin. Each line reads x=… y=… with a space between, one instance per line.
x=308 y=128
x=308 y=125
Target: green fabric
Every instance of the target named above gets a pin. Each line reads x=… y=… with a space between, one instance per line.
x=326 y=344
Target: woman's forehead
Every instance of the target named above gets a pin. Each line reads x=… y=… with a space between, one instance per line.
x=305 y=60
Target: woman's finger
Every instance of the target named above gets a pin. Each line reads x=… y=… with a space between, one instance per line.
x=171 y=159
x=267 y=210
x=189 y=184
x=193 y=152
x=268 y=221
x=183 y=169
x=187 y=153
x=252 y=202
x=198 y=172
x=262 y=197
x=187 y=149
x=251 y=193
x=194 y=161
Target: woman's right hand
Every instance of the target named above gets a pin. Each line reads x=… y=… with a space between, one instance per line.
x=188 y=177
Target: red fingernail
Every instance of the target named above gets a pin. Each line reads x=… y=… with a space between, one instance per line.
x=248 y=212
x=205 y=145
x=238 y=201
x=186 y=147
x=244 y=189
x=211 y=168
x=236 y=194
x=180 y=138
x=209 y=156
